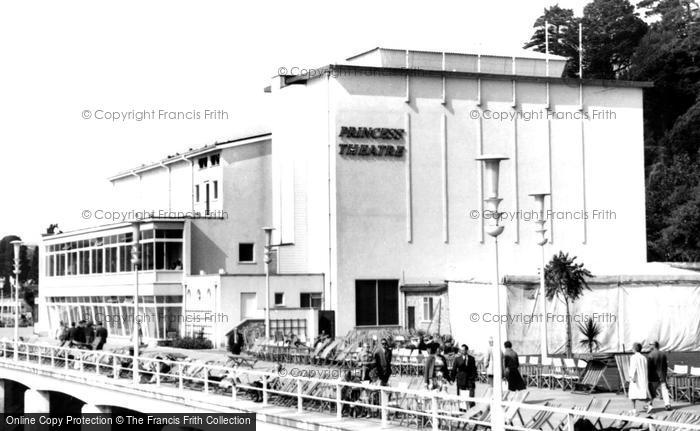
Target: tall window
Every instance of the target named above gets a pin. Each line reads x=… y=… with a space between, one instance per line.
x=376 y=302
x=216 y=190
x=427 y=308
x=196 y=193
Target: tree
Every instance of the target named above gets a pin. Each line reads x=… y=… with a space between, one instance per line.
x=563 y=36
x=590 y=332
x=7 y=256
x=566 y=280
x=6 y=288
x=611 y=33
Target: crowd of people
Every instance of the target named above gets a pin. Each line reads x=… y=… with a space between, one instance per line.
x=84 y=335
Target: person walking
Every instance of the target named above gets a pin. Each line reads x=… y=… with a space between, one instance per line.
x=434 y=369
x=657 y=363
x=382 y=360
x=511 y=365
x=638 y=377
x=100 y=336
x=464 y=372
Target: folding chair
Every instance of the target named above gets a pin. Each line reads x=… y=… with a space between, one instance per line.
x=546 y=380
x=694 y=380
x=681 y=383
x=571 y=372
x=532 y=371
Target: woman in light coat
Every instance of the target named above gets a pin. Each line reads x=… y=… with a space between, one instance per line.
x=638 y=377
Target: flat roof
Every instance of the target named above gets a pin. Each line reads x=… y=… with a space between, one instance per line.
x=109 y=226
x=518 y=53
x=334 y=70
x=191 y=153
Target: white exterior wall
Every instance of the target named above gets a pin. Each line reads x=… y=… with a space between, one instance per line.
x=376 y=237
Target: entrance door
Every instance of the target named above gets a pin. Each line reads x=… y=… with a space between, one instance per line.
x=249 y=305
x=411 y=317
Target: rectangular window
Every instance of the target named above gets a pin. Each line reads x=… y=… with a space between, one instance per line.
x=310 y=300
x=72 y=267
x=49 y=265
x=84 y=261
x=427 y=308
x=246 y=252
x=216 y=190
x=111 y=259
x=196 y=193
x=376 y=302
x=279 y=299
x=147 y=256
x=124 y=258
x=214 y=159
x=202 y=162
x=160 y=255
x=97 y=261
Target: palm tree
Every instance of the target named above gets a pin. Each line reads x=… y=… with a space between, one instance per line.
x=566 y=280
x=590 y=331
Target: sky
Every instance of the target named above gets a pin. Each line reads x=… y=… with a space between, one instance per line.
x=63 y=59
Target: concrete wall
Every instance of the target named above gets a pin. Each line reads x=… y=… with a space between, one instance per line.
x=390 y=211
x=222 y=294
x=246 y=204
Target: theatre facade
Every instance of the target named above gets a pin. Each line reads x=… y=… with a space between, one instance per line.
x=369 y=177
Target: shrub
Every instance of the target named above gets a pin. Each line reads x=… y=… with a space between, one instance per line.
x=194 y=343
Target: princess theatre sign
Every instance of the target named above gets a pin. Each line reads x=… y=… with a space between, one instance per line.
x=387 y=147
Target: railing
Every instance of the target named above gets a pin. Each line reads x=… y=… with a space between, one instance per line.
x=226 y=386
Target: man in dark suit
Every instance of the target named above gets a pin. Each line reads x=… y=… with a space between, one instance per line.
x=382 y=361
x=464 y=372
x=511 y=365
x=657 y=366
x=100 y=336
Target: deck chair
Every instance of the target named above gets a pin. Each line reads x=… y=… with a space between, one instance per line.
x=541 y=418
x=623 y=367
x=513 y=412
x=571 y=372
x=480 y=411
x=592 y=375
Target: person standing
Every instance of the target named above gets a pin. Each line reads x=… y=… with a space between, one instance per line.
x=511 y=365
x=89 y=333
x=464 y=372
x=100 y=336
x=382 y=360
x=488 y=362
x=72 y=333
x=638 y=376
x=434 y=369
x=657 y=363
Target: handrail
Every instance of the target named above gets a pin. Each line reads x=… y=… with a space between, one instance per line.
x=201 y=373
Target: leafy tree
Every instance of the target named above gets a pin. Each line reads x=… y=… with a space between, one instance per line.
x=590 y=331
x=7 y=256
x=6 y=288
x=563 y=36
x=566 y=280
x=611 y=33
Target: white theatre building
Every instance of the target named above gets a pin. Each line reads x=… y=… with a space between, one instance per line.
x=369 y=175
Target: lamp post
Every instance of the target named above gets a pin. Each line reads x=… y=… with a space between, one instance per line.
x=17 y=244
x=268 y=259
x=491 y=164
x=135 y=262
x=541 y=241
